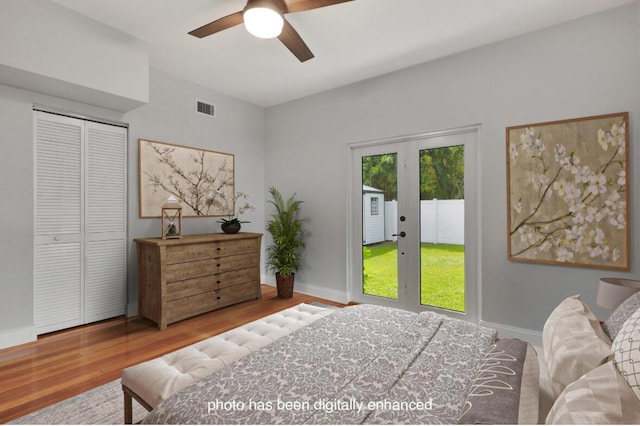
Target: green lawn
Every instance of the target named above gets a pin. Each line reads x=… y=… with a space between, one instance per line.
x=442 y=266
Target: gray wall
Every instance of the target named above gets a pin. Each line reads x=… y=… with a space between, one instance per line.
x=170 y=117
x=582 y=68
x=47 y=48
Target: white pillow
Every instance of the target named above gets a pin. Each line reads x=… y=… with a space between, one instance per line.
x=573 y=343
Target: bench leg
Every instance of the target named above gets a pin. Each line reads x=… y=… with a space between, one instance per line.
x=129 y=395
x=128 y=409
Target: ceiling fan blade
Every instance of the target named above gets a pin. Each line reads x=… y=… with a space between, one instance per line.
x=290 y=38
x=302 y=5
x=218 y=25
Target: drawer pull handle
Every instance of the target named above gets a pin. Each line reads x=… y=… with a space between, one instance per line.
x=218 y=298
x=218 y=282
x=218 y=265
x=218 y=249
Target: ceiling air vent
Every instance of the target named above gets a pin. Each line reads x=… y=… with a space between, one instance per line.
x=206 y=108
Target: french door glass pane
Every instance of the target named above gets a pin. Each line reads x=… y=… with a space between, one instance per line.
x=442 y=228
x=379 y=250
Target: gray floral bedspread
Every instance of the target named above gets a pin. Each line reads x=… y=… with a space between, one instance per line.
x=363 y=364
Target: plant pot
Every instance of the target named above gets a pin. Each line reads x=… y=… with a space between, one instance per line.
x=285 y=286
x=230 y=228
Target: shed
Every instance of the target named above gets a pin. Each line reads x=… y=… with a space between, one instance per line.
x=372 y=215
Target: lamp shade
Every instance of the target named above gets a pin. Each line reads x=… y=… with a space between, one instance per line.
x=263 y=20
x=613 y=291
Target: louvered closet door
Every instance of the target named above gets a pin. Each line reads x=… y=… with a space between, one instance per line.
x=80 y=254
x=105 y=284
x=58 y=272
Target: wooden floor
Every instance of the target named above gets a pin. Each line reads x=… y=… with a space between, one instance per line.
x=63 y=364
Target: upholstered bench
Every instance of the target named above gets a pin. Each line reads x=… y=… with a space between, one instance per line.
x=153 y=381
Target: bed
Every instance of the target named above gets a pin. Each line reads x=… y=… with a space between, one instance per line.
x=369 y=364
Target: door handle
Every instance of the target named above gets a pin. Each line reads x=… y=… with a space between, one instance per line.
x=401 y=234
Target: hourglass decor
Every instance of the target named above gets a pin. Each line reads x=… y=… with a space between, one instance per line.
x=171 y=219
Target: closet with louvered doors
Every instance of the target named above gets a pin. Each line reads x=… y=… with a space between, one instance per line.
x=80 y=221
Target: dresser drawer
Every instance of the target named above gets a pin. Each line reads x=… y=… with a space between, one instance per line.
x=187 y=307
x=198 y=304
x=209 y=250
x=194 y=286
x=200 y=268
x=238 y=293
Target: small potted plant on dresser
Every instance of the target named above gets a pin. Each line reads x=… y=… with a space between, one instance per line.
x=233 y=224
x=285 y=254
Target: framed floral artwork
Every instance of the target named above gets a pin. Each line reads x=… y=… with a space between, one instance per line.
x=568 y=192
x=202 y=181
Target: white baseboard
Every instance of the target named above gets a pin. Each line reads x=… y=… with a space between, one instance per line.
x=18 y=336
x=507 y=331
x=318 y=291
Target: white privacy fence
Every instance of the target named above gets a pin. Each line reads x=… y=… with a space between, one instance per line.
x=441 y=221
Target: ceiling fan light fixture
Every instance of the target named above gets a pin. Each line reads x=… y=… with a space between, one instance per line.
x=263 y=20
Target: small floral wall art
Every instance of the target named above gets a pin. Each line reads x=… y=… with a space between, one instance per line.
x=201 y=180
x=568 y=192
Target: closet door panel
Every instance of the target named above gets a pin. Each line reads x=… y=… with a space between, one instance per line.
x=105 y=221
x=58 y=286
x=106 y=183
x=58 y=268
x=58 y=177
x=105 y=280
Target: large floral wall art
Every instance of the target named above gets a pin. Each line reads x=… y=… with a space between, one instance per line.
x=202 y=181
x=568 y=192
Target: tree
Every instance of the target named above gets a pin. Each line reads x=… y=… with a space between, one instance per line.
x=442 y=173
x=380 y=171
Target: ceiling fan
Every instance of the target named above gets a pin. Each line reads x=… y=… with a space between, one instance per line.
x=265 y=19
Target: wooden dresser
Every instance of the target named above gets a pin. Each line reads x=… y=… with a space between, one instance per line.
x=181 y=278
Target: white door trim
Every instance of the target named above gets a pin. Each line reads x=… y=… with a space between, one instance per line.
x=472 y=217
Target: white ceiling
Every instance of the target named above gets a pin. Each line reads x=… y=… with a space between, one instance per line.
x=351 y=41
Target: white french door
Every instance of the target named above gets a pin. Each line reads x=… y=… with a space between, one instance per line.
x=408 y=247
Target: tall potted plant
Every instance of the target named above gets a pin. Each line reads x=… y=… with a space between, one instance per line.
x=284 y=256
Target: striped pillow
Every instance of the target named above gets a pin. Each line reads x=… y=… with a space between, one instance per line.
x=573 y=343
x=601 y=396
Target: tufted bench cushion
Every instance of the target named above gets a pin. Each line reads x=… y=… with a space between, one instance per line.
x=153 y=381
